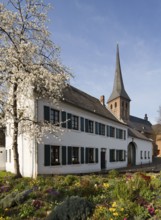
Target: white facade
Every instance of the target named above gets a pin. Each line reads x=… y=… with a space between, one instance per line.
x=77 y=138
x=2 y=158
x=140 y=150
x=106 y=152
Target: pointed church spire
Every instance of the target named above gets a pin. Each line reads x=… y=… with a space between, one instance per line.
x=118 y=87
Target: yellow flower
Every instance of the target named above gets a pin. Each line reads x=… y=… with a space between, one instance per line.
x=112 y=209
x=106 y=185
x=114 y=204
x=122 y=209
x=115 y=214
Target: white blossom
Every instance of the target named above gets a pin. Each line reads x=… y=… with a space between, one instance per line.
x=29 y=66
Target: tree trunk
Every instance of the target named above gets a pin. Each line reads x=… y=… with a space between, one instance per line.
x=15 y=133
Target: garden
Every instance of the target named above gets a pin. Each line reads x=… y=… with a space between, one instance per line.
x=111 y=196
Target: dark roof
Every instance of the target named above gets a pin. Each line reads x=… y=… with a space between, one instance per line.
x=118 y=87
x=140 y=124
x=136 y=134
x=87 y=102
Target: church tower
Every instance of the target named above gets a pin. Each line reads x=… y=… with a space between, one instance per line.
x=119 y=101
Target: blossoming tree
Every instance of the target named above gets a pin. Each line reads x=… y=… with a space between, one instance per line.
x=29 y=66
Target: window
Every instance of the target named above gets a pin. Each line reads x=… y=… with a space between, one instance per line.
x=148 y=154
x=115 y=104
x=112 y=131
x=75 y=124
x=51 y=115
x=75 y=155
x=111 y=106
x=54 y=116
x=141 y=154
x=112 y=155
x=120 y=155
x=55 y=155
x=117 y=155
x=101 y=129
x=51 y=155
x=88 y=126
x=119 y=133
x=144 y=154
x=90 y=155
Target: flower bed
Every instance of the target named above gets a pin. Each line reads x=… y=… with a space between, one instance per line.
x=113 y=196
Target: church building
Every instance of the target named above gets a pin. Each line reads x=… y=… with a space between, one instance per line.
x=119 y=105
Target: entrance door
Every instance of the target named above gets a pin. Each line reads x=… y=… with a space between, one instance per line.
x=103 y=159
x=131 y=154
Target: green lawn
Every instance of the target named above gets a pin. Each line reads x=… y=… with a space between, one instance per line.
x=111 y=196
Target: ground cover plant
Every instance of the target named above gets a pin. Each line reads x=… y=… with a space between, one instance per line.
x=111 y=196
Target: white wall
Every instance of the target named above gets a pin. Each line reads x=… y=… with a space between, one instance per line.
x=144 y=146
x=32 y=154
x=81 y=139
x=26 y=143
x=2 y=158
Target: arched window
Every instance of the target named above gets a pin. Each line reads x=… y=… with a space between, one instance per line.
x=111 y=106
x=115 y=104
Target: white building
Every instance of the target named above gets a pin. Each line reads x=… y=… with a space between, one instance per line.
x=93 y=138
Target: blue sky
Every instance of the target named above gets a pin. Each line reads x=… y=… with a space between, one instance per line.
x=88 y=31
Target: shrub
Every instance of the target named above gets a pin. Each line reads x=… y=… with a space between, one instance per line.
x=14 y=198
x=113 y=174
x=73 y=208
x=70 y=179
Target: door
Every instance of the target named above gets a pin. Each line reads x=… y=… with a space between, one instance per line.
x=131 y=154
x=103 y=160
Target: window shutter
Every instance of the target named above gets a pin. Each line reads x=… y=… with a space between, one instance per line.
x=96 y=127
x=63 y=118
x=47 y=155
x=63 y=155
x=124 y=135
x=86 y=125
x=69 y=155
x=69 y=121
x=46 y=113
x=100 y=128
x=112 y=155
x=108 y=131
x=124 y=155
x=87 y=153
x=82 y=154
x=96 y=155
x=82 y=124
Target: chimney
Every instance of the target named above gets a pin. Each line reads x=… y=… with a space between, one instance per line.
x=102 y=100
x=146 y=117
